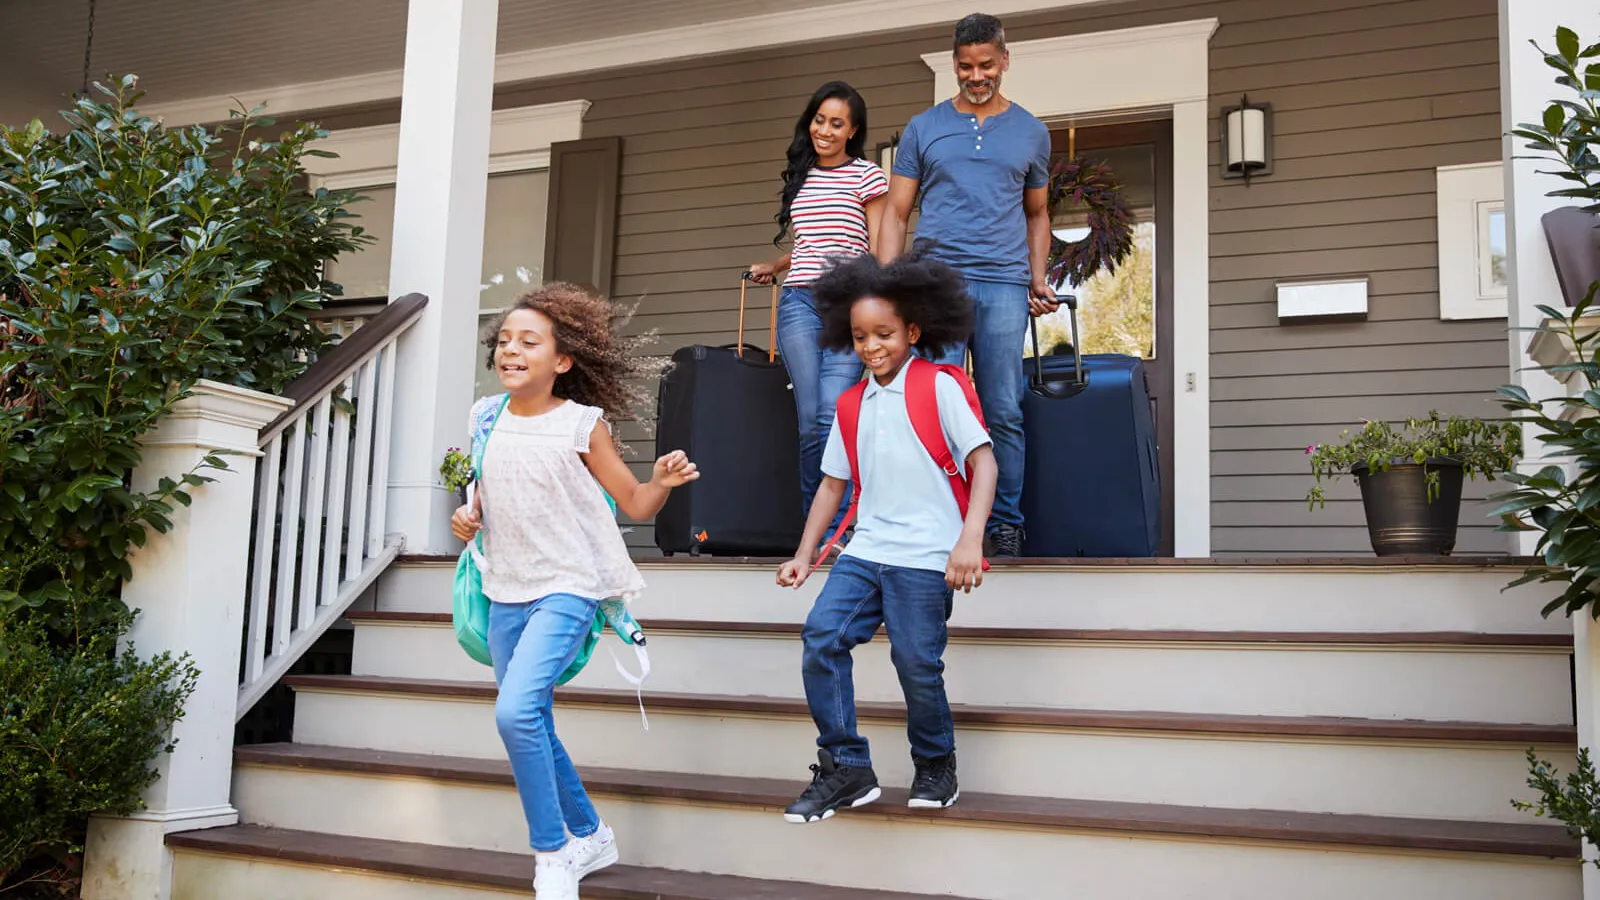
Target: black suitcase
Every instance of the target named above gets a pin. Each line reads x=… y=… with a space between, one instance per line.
x=1092 y=481
x=731 y=410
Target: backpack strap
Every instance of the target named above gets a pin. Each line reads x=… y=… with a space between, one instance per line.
x=847 y=414
x=922 y=407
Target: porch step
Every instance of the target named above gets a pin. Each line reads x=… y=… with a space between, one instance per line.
x=202 y=870
x=1107 y=849
x=1491 y=677
x=1362 y=595
x=1463 y=770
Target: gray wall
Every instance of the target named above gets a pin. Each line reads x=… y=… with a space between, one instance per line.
x=1368 y=98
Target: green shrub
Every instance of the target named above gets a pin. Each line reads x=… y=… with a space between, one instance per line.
x=78 y=728
x=1482 y=448
x=134 y=260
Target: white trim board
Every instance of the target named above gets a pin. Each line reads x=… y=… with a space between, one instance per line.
x=1466 y=194
x=519 y=140
x=1172 y=74
x=803 y=24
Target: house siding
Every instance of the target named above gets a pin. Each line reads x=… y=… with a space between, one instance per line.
x=1368 y=98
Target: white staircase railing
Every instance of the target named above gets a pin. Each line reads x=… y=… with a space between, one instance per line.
x=318 y=536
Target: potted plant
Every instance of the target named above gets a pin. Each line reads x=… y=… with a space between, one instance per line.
x=1411 y=477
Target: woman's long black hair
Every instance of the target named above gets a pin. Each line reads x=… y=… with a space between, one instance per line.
x=802 y=155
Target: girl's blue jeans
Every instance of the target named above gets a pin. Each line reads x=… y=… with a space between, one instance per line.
x=819 y=376
x=531 y=645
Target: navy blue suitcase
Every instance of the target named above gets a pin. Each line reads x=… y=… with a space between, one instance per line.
x=1092 y=481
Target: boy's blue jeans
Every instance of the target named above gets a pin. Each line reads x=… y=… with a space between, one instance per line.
x=819 y=376
x=999 y=328
x=531 y=645
x=915 y=605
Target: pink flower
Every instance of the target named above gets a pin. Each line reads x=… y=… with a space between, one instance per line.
x=1311 y=449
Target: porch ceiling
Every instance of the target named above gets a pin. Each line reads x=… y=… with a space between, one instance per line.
x=189 y=48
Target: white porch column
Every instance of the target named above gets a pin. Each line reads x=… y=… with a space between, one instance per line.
x=442 y=179
x=1527 y=86
x=188 y=586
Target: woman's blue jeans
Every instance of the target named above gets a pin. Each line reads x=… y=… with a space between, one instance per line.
x=819 y=376
x=531 y=645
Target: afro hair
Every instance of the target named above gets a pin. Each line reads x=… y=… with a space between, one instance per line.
x=924 y=292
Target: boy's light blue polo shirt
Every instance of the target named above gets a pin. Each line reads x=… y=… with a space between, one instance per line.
x=972 y=176
x=908 y=515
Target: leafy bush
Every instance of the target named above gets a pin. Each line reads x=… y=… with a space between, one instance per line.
x=134 y=260
x=78 y=729
x=1482 y=448
x=1564 y=503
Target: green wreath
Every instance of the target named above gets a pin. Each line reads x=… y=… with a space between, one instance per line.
x=1078 y=182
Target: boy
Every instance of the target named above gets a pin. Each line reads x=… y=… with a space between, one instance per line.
x=913 y=544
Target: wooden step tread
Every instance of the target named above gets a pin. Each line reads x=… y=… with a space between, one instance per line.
x=1379 y=563
x=968 y=715
x=1550 y=841
x=490 y=869
x=1469 y=639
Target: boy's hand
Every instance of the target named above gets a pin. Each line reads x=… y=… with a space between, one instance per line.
x=794 y=572
x=964 y=571
x=674 y=470
x=466 y=521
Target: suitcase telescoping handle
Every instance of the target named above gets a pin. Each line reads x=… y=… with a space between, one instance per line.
x=772 y=328
x=1059 y=390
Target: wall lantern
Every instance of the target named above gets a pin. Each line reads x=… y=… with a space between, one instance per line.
x=1247 y=140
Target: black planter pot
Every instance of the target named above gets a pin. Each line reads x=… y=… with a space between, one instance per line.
x=1400 y=520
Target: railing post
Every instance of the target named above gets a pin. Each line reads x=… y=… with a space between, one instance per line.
x=188 y=586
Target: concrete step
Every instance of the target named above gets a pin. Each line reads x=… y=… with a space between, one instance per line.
x=248 y=862
x=1508 y=677
x=990 y=846
x=1364 y=594
x=1455 y=770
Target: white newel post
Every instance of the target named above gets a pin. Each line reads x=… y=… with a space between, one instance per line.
x=1527 y=86
x=188 y=586
x=440 y=188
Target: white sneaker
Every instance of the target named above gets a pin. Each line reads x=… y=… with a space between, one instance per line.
x=554 y=876
x=593 y=853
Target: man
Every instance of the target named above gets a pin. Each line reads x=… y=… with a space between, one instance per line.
x=982 y=164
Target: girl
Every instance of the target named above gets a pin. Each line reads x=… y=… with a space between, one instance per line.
x=832 y=199
x=552 y=549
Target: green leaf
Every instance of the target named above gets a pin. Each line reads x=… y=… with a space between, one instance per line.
x=1520 y=503
x=1567 y=44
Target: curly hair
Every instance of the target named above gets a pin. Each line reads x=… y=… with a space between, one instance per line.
x=608 y=370
x=924 y=292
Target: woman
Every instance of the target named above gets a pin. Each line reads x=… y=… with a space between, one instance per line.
x=832 y=200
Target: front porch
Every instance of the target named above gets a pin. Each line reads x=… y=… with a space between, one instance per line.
x=1296 y=717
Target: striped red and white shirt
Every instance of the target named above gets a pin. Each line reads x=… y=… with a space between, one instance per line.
x=829 y=217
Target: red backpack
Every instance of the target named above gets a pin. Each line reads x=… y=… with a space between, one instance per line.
x=922 y=405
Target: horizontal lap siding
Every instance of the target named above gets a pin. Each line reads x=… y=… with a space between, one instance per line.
x=1361 y=119
x=1368 y=98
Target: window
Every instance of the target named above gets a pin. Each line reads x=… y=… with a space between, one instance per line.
x=1472 y=242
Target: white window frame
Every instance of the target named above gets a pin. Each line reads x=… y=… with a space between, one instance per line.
x=1467 y=196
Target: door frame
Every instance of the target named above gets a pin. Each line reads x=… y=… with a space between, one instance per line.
x=1164 y=70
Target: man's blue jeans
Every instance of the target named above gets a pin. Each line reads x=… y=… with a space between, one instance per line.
x=819 y=376
x=531 y=645
x=999 y=330
x=914 y=604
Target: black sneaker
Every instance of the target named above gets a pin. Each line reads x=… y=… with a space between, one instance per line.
x=1006 y=540
x=832 y=786
x=935 y=786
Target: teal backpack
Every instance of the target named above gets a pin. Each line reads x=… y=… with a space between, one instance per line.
x=470 y=613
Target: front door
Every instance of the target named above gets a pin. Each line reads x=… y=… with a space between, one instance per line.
x=1129 y=311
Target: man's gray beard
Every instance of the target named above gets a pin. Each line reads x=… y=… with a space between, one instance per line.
x=994 y=88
